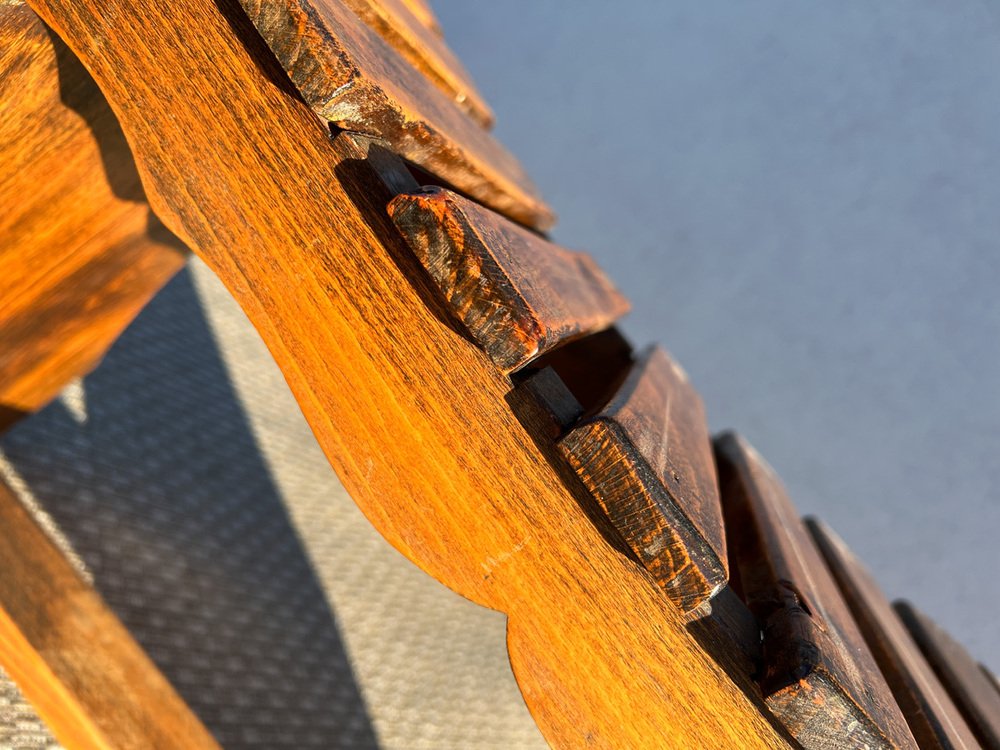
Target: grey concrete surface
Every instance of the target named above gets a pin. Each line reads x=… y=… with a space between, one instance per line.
x=801 y=200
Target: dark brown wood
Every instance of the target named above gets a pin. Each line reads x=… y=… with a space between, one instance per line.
x=81 y=253
x=819 y=678
x=357 y=81
x=647 y=459
x=930 y=712
x=974 y=694
x=415 y=420
x=422 y=46
x=517 y=294
x=73 y=659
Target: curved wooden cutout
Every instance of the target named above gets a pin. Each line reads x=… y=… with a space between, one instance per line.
x=412 y=417
x=80 y=252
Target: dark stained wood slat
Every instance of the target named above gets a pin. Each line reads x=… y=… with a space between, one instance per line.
x=80 y=252
x=647 y=459
x=974 y=694
x=425 y=50
x=519 y=295
x=929 y=710
x=73 y=659
x=819 y=677
x=356 y=80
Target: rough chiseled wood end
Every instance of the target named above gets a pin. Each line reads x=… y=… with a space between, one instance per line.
x=355 y=79
x=647 y=459
x=974 y=694
x=818 y=678
x=930 y=712
x=519 y=295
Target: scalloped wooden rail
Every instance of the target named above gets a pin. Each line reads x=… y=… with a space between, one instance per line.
x=412 y=415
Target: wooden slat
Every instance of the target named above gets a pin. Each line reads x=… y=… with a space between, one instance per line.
x=930 y=712
x=647 y=459
x=415 y=421
x=421 y=9
x=72 y=658
x=974 y=694
x=518 y=295
x=424 y=49
x=819 y=677
x=80 y=252
x=356 y=80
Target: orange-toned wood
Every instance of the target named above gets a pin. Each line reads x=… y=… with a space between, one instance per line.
x=973 y=693
x=818 y=676
x=422 y=11
x=80 y=252
x=929 y=711
x=356 y=80
x=71 y=657
x=518 y=295
x=647 y=458
x=414 y=419
x=424 y=49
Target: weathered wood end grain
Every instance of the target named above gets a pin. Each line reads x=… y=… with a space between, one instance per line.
x=422 y=46
x=80 y=252
x=930 y=712
x=517 y=294
x=974 y=694
x=73 y=659
x=819 y=677
x=356 y=80
x=647 y=459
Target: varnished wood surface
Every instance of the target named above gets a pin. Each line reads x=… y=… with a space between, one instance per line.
x=518 y=295
x=356 y=80
x=422 y=46
x=647 y=458
x=930 y=712
x=71 y=657
x=974 y=694
x=80 y=252
x=819 y=677
x=414 y=420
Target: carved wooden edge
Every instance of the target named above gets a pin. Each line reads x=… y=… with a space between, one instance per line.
x=358 y=82
x=423 y=47
x=974 y=694
x=819 y=677
x=929 y=710
x=81 y=252
x=72 y=658
x=416 y=422
x=517 y=294
x=647 y=459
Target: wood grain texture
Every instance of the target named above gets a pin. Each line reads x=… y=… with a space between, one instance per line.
x=71 y=657
x=517 y=294
x=974 y=694
x=930 y=712
x=423 y=47
x=80 y=252
x=647 y=459
x=414 y=420
x=819 y=677
x=356 y=80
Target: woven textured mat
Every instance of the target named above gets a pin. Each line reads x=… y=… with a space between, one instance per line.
x=182 y=477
